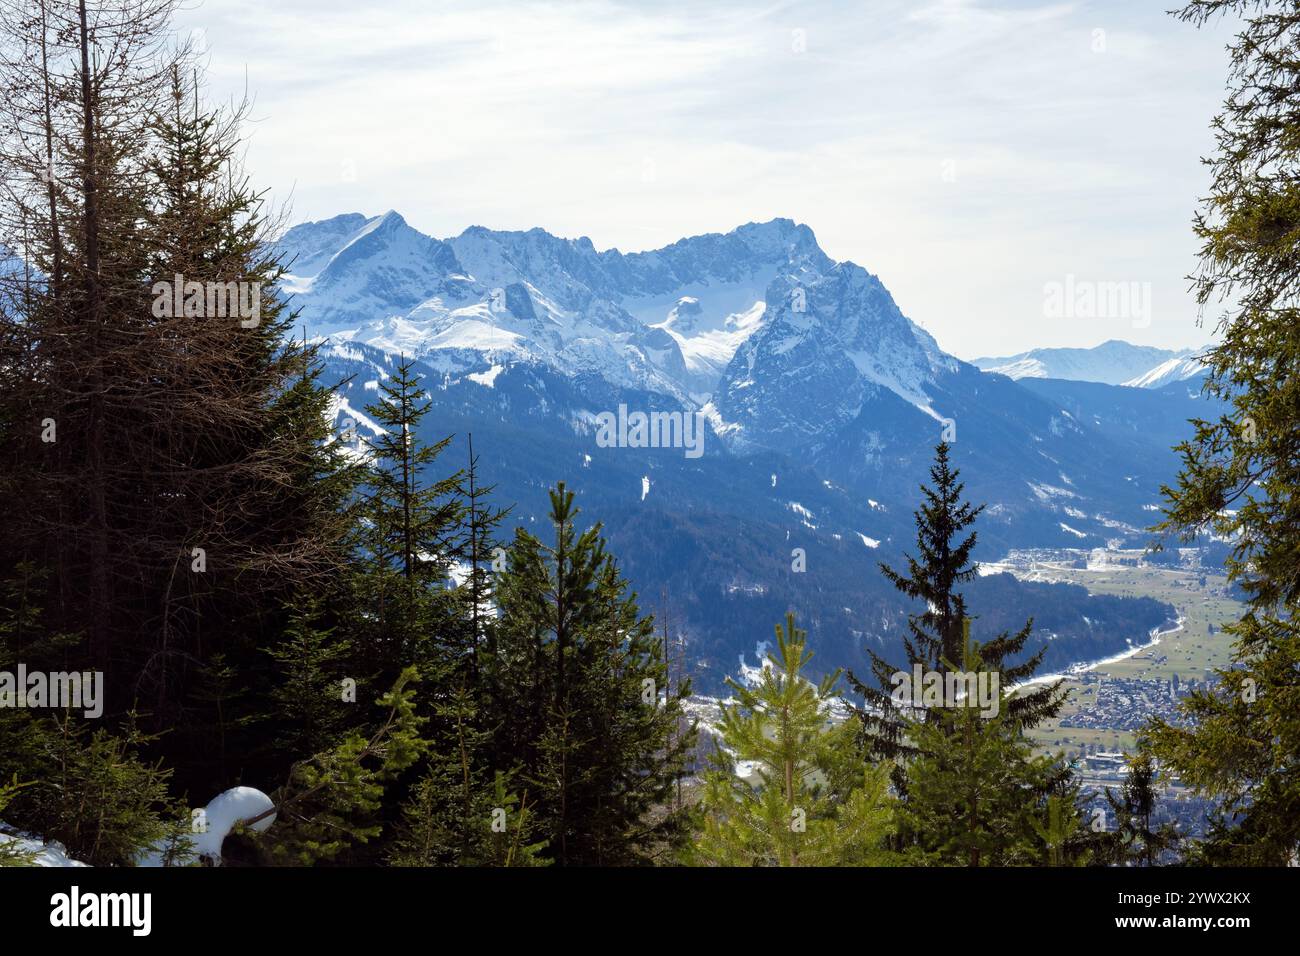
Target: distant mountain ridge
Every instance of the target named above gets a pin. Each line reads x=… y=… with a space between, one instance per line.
x=1113 y=362
x=823 y=403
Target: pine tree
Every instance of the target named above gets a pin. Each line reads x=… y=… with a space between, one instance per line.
x=478 y=548
x=331 y=800
x=10 y=853
x=459 y=814
x=1240 y=472
x=937 y=633
x=975 y=788
x=309 y=703
x=176 y=508
x=801 y=810
x=1136 y=840
x=586 y=714
x=411 y=527
x=1061 y=831
x=90 y=786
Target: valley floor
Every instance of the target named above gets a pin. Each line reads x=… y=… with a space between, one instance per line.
x=1110 y=701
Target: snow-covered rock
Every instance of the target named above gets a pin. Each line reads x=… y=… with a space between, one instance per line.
x=216 y=822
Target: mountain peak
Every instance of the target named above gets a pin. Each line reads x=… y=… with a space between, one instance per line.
x=1113 y=362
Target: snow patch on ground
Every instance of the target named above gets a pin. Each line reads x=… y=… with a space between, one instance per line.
x=487 y=378
x=52 y=853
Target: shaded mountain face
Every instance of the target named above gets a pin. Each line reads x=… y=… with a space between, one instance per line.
x=821 y=400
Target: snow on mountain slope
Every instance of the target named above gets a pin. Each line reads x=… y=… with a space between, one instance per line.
x=709 y=292
x=784 y=350
x=707 y=350
x=379 y=267
x=1111 y=363
x=1167 y=373
x=830 y=343
x=519 y=296
x=668 y=320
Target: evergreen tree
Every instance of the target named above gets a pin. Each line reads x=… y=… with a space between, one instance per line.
x=10 y=853
x=331 y=800
x=411 y=525
x=1061 y=831
x=89 y=786
x=586 y=717
x=943 y=562
x=976 y=791
x=309 y=703
x=802 y=809
x=478 y=547
x=457 y=815
x=176 y=507
x=1240 y=472
x=1136 y=839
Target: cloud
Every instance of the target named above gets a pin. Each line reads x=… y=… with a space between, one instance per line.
x=966 y=152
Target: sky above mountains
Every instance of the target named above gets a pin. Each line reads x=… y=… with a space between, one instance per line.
x=979 y=158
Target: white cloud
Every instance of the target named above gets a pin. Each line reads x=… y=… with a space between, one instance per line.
x=966 y=152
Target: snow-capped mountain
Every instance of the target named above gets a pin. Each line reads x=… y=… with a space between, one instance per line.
x=839 y=331
x=1112 y=362
x=667 y=320
x=783 y=350
x=823 y=403
x=1167 y=373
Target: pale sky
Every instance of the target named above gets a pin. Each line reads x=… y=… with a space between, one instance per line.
x=967 y=152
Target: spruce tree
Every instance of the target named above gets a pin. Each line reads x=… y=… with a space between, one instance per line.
x=309 y=701
x=87 y=784
x=10 y=853
x=459 y=813
x=330 y=802
x=411 y=522
x=1240 y=471
x=1060 y=830
x=976 y=791
x=801 y=809
x=587 y=716
x=943 y=562
x=478 y=548
x=175 y=508
x=1136 y=839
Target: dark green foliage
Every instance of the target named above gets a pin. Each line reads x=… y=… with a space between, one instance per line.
x=310 y=702
x=1137 y=840
x=409 y=527
x=977 y=794
x=87 y=785
x=331 y=799
x=943 y=562
x=10 y=853
x=457 y=814
x=1240 y=471
x=582 y=683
